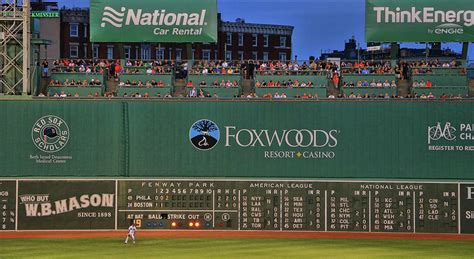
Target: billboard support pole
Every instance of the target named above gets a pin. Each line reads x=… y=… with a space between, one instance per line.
x=465 y=51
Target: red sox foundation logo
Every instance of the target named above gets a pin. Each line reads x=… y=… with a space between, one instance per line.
x=50 y=134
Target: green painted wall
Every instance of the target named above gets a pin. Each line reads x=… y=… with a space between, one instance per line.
x=388 y=140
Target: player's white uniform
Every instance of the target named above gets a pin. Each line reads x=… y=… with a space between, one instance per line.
x=131 y=233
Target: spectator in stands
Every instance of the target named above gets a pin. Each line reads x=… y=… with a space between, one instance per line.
x=45 y=66
x=193 y=93
x=393 y=84
x=190 y=84
x=149 y=71
x=373 y=83
x=386 y=84
x=379 y=83
x=203 y=84
x=429 y=83
x=365 y=83
x=422 y=83
x=201 y=93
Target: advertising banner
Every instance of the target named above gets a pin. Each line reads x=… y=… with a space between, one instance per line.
x=66 y=205
x=153 y=21
x=419 y=21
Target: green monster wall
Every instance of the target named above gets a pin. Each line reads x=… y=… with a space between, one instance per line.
x=370 y=140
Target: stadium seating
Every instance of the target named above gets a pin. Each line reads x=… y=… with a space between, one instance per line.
x=369 y=78
x=210 y=78
x=166 y=78
x=220 y=92
x=452 y=77
x=370 y=91
x=152 y=92
x=318 y=80
x=292 y=92
x=438 y=91
x=77 y=76
x=73 y=90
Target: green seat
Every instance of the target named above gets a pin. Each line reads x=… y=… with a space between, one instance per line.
x=166 y=78
x=438 y=91
x=210 y=78
x=61 y=77
x=318 y=80
x=369 y=78
x=443 y=80
x=82 y=91
x=369 y=90
x=153 y=92
x=292 y=92
x=221 y=92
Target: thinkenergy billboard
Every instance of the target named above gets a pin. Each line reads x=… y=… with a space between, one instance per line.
x=419 y=21
x=153 y=21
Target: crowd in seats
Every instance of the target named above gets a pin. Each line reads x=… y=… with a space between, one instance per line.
x=199 y=93
x=76 y=66
x=83 y=83
x=421 y=96
x=373 y=83
x=216 y=83
x=284 y=83
x=152 y=67
x=146 y=95
x=289 y=67
x=435 y=63
x=205 y=67
x=75 y=95
x=139 y=83
x=367 y=67
x=422 y=83
x=282 y=95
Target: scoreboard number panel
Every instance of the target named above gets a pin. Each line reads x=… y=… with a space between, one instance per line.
x=7 y=205
x=238 y=204
x=292 y=205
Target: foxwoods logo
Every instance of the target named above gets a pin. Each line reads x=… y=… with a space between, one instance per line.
x=50 y=134
x=450 y=20
x=447 y=133
x=126 y=17
x=204 y=134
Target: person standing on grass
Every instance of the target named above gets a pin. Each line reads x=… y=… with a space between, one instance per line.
x=131 y=233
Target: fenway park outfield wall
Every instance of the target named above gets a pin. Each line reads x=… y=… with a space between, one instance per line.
x=305 y=140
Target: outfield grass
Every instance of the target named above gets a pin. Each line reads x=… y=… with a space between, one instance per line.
x=233 y=248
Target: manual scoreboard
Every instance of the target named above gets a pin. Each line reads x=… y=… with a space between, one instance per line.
x=291 y=205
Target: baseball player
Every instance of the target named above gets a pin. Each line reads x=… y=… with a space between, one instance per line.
x=131 y=233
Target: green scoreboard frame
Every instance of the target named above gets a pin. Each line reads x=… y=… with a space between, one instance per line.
x=237 y=205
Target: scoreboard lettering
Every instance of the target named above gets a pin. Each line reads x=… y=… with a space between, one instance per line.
x=7 y=205
x=289 y=206
x=154 y=204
